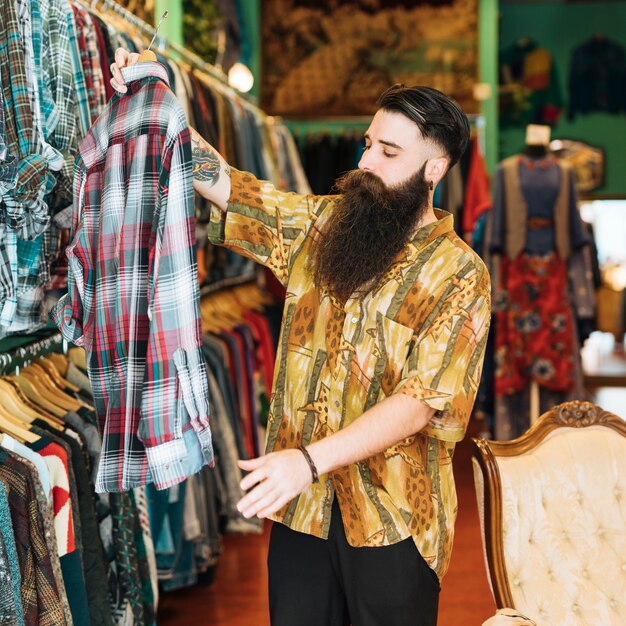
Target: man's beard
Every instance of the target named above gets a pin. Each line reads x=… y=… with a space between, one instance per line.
x=370 y=225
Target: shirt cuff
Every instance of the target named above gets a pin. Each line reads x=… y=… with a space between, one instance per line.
x=443 y=425
x=166 y=463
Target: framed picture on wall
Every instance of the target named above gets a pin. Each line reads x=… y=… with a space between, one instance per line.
x=334 y=57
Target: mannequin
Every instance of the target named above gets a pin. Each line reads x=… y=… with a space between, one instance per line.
x=537 y=141
x=535 y=230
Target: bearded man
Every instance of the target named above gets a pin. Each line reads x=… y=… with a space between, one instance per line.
x=383 y=336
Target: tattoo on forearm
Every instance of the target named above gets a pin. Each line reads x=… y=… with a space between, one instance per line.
x=206 y=165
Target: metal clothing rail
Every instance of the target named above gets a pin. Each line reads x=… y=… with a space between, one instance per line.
x=25 y=354
x=162 y=43
x=225 y=283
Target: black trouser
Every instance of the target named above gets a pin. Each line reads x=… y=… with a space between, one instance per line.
x=317 y=582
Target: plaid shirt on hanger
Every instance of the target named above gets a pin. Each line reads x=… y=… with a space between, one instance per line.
x=133 y=300
x=25 y=216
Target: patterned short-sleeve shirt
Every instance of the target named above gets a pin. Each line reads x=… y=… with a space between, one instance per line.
x=421 y=332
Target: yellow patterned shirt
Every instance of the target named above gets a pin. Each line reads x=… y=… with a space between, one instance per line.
x=422 y=332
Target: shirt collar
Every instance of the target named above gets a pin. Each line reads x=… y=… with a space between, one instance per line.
x=424 y=235
x=145 y=69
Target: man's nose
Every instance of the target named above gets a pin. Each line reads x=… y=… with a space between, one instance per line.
x=366 y=162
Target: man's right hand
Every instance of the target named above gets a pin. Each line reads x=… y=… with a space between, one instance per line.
x=123 y=58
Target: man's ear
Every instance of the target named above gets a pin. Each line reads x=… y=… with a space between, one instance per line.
x=436 y=169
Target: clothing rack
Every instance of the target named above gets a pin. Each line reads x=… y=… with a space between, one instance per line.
x=162 y=43
x=228 y=282
x=25 y=354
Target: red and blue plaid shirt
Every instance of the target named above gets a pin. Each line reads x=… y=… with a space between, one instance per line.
x=133 y=300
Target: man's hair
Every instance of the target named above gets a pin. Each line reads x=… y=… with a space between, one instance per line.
x=438 y=117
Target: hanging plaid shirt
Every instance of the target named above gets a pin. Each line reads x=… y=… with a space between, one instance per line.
x=422 y=332
x=85 y=38
x=58 y=81
x=133 y=300
x=82 y=97
x=25 y=215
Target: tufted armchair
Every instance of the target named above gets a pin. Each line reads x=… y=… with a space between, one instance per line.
x=552 y=507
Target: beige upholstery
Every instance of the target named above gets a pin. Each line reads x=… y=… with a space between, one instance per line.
x=561 y=518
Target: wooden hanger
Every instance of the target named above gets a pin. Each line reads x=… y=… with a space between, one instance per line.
x=56 y=376
x=60 y=361
x=15 y=428
x=223 y=310
x=37 y=396
x=31 y=410
x=78 y=357
x=44 y=382
x=15 y=402
x=11 y=402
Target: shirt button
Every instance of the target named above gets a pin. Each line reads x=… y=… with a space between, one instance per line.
x=337 y=403
x=355 y=320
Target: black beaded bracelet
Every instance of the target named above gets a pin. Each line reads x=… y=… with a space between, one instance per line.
x=309 y=460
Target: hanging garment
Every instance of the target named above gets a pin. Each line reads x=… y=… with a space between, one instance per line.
x=477 y=193
x=57 y=456
x=597 y=79
x=528 y=188
x=40 y=595
x=133 y=288
x=91 y=545
x=11 y=612
x=534 y=332
x=529 y=85
x=25 y=215
x=47 y=518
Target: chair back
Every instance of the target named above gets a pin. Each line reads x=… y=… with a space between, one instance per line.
x=552 y=507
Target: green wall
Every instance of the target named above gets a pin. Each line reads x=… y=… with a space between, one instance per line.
x=488 y=73
x=560 y=28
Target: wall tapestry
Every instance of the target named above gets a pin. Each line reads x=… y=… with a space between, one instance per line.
x=334 y=57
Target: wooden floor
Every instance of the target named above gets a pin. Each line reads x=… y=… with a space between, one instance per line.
x=238 y=597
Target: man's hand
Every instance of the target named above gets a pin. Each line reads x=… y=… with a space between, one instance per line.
x=123 y=58
x=274 y=480
x=277 y=478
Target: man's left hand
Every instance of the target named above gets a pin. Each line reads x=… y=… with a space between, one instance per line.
x=273 y=481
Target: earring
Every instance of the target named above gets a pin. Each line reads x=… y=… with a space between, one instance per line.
x=430 y=185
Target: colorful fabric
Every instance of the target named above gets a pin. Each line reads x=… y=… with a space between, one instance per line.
x=58 y=81
x=534 y=325
x=11 y=599
x=91 y=39
x=8 y=166
x=57 y=462
x=57 y=455
x=41 y=603
x=26 y=211
x=133 y=300
x=82 y=95
x=86 y=61
x=422 y=332
x=25 y=215
x=530 y=90
x=126 y=556
x=477 y=190
x=47 y=517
